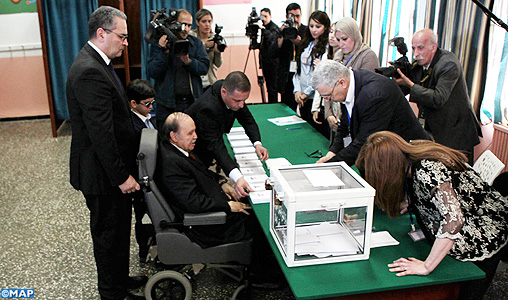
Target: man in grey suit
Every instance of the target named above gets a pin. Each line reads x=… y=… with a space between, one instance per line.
x=438 y=87
x=103 y=150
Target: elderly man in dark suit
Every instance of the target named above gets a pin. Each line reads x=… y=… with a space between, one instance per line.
x=372 y=103
x=192 y=188
x=103 y=150
x=438 y=87
x=214 y=114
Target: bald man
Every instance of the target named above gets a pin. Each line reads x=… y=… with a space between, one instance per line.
x=438 y=87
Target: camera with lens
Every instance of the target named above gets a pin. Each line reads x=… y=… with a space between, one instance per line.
x=162 y=23
x=252 y=28
x=290 y=32
x=219 y=39
x=402 y=63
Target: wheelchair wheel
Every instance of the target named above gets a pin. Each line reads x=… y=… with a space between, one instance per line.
x=168 y=285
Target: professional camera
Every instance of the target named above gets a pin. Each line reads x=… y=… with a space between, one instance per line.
x=402 y=63
x=290 y=32
x=252 y=28
x=219 y=39
x=162 y=23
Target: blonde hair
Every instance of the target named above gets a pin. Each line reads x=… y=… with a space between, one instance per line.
x=385 y=157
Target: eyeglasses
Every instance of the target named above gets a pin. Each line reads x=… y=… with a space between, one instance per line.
x=315 y=154
x=147 y=104
x=331 y=93
x=122 y=36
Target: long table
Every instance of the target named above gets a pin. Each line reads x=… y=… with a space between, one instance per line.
x=367 y=279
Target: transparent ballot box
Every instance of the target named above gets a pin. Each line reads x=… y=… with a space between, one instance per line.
x=321 y=213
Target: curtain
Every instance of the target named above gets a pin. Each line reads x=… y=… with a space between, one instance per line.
x=66 y=30
x=495 y=103
x=146 y=7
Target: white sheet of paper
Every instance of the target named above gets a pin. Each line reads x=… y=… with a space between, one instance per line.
x=250 y=163
x=279 y=162
x=246 y=156
x=243 y=150
x=258 y=187
x=237 y=130
x=254 y=170
x=284 y=121
x=260 y=197
x=240 y=143
x=322 y=178
x=381 y=239
x=237 y=137
x=253 y=179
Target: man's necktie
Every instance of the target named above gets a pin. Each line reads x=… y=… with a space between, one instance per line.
x=110 y=66
x=149 y=124
x=191 y=155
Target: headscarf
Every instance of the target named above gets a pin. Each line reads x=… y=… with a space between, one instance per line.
x=349 y=27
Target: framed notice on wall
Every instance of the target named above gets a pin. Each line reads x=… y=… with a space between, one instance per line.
x=17 y=6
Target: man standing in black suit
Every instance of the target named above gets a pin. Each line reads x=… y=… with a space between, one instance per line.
x=103 y=150
x=373 y=103
x=438 y=87
x=214 y=114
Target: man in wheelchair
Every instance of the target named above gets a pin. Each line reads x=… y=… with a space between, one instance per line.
x=190 y=187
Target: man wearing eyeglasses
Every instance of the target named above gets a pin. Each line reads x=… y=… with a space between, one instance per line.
x=103 y=150
x=373 y=103
x=177 y=77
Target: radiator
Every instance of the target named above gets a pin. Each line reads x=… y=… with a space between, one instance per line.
x=499 y=144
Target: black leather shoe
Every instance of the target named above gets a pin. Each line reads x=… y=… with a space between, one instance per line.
x=133 y=297
x=135 y=282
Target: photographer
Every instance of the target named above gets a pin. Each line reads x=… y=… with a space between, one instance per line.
x=204 y=20
x=270 y=33
x=438 y=87
x=287 y=62
x=177 y=77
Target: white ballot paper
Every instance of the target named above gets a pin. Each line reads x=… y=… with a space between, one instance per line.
x=240 y=143
x=250 y=163
x=277 y=163
x=252 y=171
x=381 y=239
x=283 y=121
x=243 y=150
x=253 y=179
x=246 y=156
x=323 y=240
x=260 y=197
x=258 y=187
x=323 y=178
x=237 y=130
x=237 y=137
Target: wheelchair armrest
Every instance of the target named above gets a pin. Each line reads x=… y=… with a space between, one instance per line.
x=212 y=218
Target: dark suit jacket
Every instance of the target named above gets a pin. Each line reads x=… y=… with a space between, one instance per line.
x=213 y=119
x=103 y=150
x=443 y=99
x=139 y=125
x=191 y=188
x=379 y=105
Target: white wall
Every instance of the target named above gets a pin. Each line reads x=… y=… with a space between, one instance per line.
x=20 y=35
x=234 y=17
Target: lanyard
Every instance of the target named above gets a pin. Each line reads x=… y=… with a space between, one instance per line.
x=406 y=193
x=348 y=60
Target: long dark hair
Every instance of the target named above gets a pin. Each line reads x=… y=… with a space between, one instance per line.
x=320 y=46
x=385 y=156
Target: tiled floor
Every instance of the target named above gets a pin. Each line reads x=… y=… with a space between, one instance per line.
x=45 y=242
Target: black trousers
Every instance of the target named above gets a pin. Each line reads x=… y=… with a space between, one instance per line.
x=287 y=95
x=143 y=231
x=110 y=225
x=270 y=74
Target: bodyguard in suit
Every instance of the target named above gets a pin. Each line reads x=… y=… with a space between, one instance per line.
x=438 y=87
x=372 y=103
x=192 y=188
x=214 y=114
x=103 y=150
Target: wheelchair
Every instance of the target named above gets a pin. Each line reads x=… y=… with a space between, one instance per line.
x=174 y=247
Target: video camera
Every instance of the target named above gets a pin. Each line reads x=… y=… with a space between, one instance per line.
x=252 y=28
x=290 y=32
x=219 y=39
x=402 y=63
x=161 y=24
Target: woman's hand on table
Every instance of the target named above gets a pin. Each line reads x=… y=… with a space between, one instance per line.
x=409 y=266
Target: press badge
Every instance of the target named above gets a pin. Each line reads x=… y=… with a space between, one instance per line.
x=417 y=235
x=292 y=66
